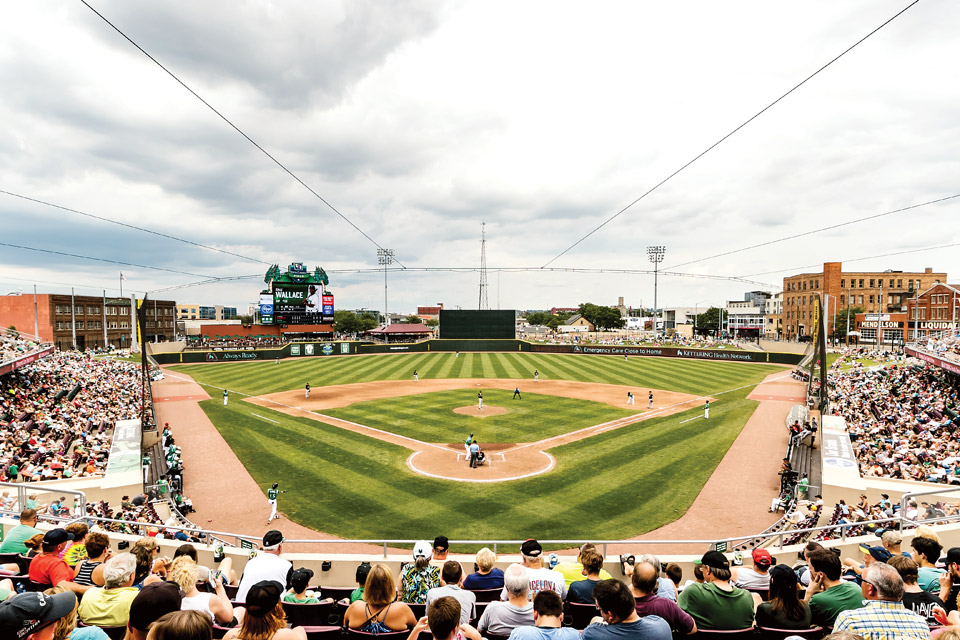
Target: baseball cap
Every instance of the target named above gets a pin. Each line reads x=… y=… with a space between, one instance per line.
x=441 y=543
x=762 y=557
x=422 y=550
x=154 y=600
x=879 y=553
x=715 y=560
x=272 y=539
x=953 y=556
x=263 y=597
x=300 y=579
x=56 y=536
x=23 y=614
x=531 y=548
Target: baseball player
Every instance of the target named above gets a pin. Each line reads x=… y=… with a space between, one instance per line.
x=706 y=410
x=650 y=401
x=479 y=399
x=536 y=375
x=272 y=494
x=466 y=446
x=516 y=393
x=307 y=391
x=624 y=357
x=225 y=396
x=630 y=397
x=416 y=378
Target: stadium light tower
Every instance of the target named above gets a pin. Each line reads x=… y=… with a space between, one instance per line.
x=655 y=253
x=385 y=257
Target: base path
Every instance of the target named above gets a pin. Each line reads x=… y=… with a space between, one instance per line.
x=448 y=461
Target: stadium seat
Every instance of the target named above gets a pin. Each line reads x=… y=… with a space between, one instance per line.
x=231 y=590
x=763 y=593
x=337 y=593
x=8 y=558
x=732 y=634
x=419 y=610
x=581 y=614
x=493 y=636
x=310 y=615
x=486 y=595
x=327 y=632
x=768 y=633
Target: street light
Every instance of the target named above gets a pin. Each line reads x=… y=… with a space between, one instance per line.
x=385 y=257
x=655 y=253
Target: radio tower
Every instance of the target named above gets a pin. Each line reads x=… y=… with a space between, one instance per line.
x=484 y=303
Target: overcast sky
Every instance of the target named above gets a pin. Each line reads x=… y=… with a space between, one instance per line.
x=418 y=121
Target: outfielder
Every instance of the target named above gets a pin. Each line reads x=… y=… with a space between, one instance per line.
x=416 y=378
x=225 y=396
x=272 y=494
x=536 y=375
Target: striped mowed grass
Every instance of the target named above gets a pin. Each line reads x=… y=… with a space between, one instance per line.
x=616 y=484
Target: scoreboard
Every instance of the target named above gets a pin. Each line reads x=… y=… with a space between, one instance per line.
x=295 y=298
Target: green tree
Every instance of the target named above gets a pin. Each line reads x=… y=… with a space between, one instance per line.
x=413 y=320
x=432 y=322
x=840 y=321
x=245 y=319
x=369 y=321
x=13 y=331
x=347 y=321
x=708 y=321
x=601 y=317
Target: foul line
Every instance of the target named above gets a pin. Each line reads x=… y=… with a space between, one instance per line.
x=264 y=418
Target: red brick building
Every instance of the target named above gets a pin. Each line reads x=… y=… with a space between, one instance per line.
x=936 y=309
x=94 y=320
x=875 y=292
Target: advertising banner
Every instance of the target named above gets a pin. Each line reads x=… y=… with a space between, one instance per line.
x=301 y=304
x=266 y=308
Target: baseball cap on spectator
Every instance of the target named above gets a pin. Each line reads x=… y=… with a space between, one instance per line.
x=953 y=556
x=422 y=550
x=263 y=597
x=272 y=539
x=441 y=543
x=55 y=537
x=300 y=579
x=879 y=553
x=890 y=536
x=154 y=601
x=531 y=548
x=24 y=614
x=762 y=557
x=714 y=559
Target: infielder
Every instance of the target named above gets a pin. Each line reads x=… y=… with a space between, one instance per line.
x=225 y=396
x=307 y=391
x=479 y=399
x=650 y=401
x=516 y=393
x=706 y=410
x=272 y=494
x=630 y=397
x=416 y=378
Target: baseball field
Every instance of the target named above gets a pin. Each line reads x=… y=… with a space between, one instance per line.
x=346 y=455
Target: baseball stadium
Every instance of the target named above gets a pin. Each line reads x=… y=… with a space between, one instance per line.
x=230 y=410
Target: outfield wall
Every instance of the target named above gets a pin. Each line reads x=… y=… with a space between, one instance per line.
x=313 y=349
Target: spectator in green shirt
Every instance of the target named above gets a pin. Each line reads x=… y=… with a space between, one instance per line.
x=827 y=594
x=13 y=542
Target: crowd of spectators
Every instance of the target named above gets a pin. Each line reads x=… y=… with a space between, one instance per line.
x=14 y=346
x=946 y=346
x=902 y=420
x=57 y=415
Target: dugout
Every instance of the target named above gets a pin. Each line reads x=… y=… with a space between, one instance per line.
x=477 y=324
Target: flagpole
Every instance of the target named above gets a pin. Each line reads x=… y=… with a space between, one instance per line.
x=121 y=284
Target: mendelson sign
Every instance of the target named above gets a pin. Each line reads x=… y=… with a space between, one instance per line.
x=668 y=352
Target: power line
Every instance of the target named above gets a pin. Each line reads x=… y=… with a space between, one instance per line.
x=126 y=264
x=129 y=226
x=235 y=127
x=815 y=231
x=718 y=142
x=879 y=255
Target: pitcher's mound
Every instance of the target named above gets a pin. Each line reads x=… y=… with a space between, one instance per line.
x=486 y=412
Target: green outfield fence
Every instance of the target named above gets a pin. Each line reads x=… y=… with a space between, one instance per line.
x=328 y=349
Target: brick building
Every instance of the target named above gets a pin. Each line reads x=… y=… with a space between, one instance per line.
x=936 y=309
x=96 y=318
x=875 y=292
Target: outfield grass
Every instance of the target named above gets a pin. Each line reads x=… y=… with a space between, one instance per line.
x=675 y=374
x=429 y=417
x=612 y=485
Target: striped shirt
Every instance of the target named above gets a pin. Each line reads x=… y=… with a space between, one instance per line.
x=880 y=620
x=85 y=575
